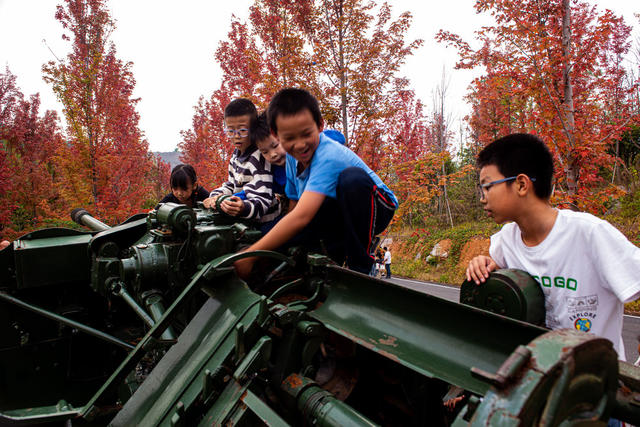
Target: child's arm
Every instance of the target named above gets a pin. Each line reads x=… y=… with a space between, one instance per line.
x=258 y=191
x=291 y=224
x=480 y=267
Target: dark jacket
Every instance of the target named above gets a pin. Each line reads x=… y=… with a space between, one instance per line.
x=198 y=195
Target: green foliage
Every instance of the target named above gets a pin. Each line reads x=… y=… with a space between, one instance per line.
x=632 y=307
x=21 y=219
x=445 y=278
x=409 y=259
x=463 y=199
x=628 y=145
x=407 y=268
x=419 y=243
x=55 y=222
x=630 y=205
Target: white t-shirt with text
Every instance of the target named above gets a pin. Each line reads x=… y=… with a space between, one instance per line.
x=586 y=267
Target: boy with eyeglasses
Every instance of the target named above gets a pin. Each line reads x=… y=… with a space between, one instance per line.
x=249 y=172
x=587 y=269
x=337 y=204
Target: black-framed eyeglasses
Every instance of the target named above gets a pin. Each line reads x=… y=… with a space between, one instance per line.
x=242 y=132
x=484 y=188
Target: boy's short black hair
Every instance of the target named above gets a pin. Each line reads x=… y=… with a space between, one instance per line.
x=521 y=153
x=259 y=130
x=183 y=175
x=241 y=107
x=291 y=101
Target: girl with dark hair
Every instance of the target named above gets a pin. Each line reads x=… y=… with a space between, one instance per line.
x=184 y=187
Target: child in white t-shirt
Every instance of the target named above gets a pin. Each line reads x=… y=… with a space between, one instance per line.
x=587 y=269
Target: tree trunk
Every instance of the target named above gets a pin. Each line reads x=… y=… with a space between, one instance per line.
x=343 y=78
x=571 y=167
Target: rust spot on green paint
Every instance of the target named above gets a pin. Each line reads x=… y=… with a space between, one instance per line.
x=293 y=381
x=388 y=355
x=391 y=341
x=371 y=346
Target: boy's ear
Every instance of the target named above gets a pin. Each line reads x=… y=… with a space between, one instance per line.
x=321 y=126
x=523 y=184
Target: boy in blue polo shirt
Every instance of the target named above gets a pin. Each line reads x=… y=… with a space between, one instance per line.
x=337 y=203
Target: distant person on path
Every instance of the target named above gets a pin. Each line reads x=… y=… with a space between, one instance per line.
x=184 y=187
x=387 y=262
x=586 y=267
x=377 y=263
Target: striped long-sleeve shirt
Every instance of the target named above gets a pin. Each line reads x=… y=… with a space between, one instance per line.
x=251 y=173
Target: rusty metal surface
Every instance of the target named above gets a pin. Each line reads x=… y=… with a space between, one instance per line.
x=431 y=336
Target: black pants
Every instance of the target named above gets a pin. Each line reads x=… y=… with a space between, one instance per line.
x=344 y=227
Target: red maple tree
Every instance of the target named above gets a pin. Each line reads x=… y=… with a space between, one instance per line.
x=553 y=68
x=344 y=52
x=28 y=179
x=31 y=145
x=105 y=164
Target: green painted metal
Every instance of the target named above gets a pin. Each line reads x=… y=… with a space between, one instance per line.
x=320 y=407
x=627 y=403
x=69 y=322
x=52 y=255
x=266 y=415
x=561 y=382
x=323 y=345
x=508 y=292
x=431 y=336
x=50 y=414
x=51 y=269
x=205 y=346
x=82 y=217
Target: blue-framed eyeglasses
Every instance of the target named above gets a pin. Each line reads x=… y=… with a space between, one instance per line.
x=484 y=188
x=242 y=132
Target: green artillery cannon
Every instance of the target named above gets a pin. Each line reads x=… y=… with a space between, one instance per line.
x=147 y=323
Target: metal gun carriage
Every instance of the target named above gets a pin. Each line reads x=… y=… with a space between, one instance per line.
x=147 y=323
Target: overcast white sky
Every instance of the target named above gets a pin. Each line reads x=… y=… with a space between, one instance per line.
x=172 y=45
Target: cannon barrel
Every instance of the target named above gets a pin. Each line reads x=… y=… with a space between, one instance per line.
x=82 y=217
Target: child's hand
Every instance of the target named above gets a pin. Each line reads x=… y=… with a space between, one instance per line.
x=479 y=268
x=210 y=202
x=232 y=206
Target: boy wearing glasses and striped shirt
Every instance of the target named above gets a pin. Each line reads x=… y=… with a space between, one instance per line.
x=249 y=172
x=587 y=269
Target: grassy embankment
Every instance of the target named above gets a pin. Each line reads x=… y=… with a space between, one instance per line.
x=411 y=247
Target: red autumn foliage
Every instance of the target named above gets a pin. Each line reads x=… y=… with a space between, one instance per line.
x=105 y=165
x=553 y=68
x=28 y=180
x=31 y=144
x=10 y=95
x=346 y=55
x=205 y=146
